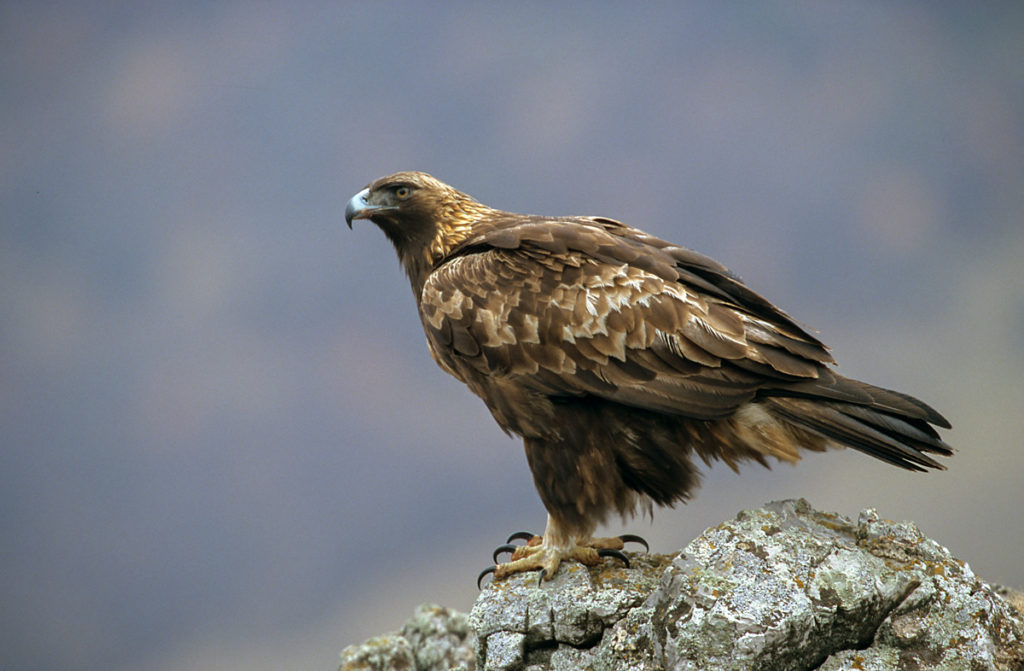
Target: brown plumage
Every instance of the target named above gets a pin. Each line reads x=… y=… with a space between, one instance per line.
x=618 y=356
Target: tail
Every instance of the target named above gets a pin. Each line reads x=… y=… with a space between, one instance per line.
x=888 y=425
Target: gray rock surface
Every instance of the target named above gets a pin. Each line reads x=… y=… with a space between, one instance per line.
x=783 y=587
x=435 y=638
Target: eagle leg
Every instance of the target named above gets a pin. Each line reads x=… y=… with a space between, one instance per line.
x=547 y=557
x=546 y=553
x=615 y=543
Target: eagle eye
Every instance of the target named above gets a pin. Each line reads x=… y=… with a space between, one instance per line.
x=403 y=192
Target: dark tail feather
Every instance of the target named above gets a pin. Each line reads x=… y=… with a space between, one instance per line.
x=829 y=385
x=890 y=426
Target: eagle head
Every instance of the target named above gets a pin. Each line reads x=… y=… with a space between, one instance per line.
x=399 y=201
x=422 y=216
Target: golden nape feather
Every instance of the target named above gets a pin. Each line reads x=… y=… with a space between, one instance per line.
x=617 y=357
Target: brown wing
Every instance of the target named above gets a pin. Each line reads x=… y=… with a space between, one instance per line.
x=588 y=306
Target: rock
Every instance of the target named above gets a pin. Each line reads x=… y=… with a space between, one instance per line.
x=435 y=639
x=783 y=587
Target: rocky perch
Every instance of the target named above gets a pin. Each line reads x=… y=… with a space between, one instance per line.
x=785 y=587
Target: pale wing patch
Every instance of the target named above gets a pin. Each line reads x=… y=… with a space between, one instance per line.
x=617 y=308
x=495 y=328
x=615 y=330
x=529 y=333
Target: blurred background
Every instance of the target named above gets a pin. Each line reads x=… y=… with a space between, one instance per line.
x=224 y=444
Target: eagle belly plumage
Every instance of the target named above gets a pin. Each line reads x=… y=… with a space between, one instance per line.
x=618 y=357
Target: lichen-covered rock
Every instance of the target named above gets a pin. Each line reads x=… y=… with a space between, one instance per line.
x=564 y=622
x=780 y=588
x=435 y=639
x=389 y=651
x=784 y=587
x=789 y=587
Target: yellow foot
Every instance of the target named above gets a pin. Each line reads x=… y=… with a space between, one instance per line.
x=538 y=554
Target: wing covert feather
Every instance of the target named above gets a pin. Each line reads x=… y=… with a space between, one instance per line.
x=572 y=310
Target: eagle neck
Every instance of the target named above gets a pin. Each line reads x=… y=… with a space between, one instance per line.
x=457 y=223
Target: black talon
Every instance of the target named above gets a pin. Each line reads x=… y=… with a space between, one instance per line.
x=489 y=569
x=630 y=538
x=521 y=536
x=608 y=552
x=540 y=581
x=507 y=547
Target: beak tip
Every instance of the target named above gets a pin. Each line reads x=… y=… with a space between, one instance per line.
x=356 y=207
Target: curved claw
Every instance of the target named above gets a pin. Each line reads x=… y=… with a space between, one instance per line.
x=540 y=580
x=630 y=538
x=507 y=547
x=521 y=536
x=608 y=552
x=489 y=569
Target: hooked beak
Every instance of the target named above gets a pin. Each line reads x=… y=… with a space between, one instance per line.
x=359 y=207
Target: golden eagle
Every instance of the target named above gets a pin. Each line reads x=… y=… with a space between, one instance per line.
x=616 y=356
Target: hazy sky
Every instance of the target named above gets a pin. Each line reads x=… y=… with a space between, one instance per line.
x=224 y=443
